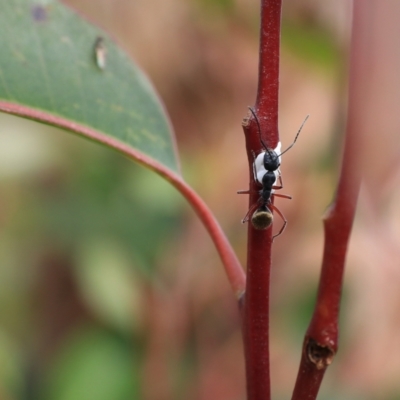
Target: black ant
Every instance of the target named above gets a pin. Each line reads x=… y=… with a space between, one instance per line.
x=266 y=171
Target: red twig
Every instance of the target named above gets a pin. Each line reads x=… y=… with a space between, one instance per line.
x=256 y=309
x=321 y=340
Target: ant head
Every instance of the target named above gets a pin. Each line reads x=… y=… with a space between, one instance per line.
x=272 y=158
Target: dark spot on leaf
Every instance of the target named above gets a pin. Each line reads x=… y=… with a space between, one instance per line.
x=39 y=13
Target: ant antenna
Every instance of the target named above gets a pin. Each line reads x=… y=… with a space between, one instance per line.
x=259 y=130
x=297 y=135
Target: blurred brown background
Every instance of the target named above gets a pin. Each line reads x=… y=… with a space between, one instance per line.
x=110 y=287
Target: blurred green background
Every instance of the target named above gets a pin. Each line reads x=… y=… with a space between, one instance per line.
x=110 y=287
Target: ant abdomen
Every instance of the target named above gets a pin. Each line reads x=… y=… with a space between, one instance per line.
x=262 y=218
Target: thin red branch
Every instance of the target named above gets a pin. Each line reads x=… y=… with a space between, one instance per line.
x=231 y=264
x=256 y=308
x=321 y=340
x=268 y=71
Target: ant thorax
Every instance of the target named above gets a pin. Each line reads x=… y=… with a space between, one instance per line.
x=259 y=168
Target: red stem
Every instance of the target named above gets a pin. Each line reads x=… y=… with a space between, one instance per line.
x=321 y=340
x=268 y=72
x=256 y=308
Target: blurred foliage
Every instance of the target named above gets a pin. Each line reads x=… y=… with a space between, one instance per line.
x=223 y=6
x=312 y=44
x=93 y=364
x=115 y=219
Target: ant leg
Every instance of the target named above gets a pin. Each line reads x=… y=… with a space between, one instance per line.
x=284 y=196
x=280 y=186
x=250 y=212
x=248 y=191
x=283 y=218
x=252 y=208
x=280 y=179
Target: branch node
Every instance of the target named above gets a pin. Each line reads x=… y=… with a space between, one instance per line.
x=318 y=354
x=246 y=120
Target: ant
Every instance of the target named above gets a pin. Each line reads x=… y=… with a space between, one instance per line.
x=266 y=172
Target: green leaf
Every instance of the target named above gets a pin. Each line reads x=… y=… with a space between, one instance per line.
x=108 y=283
x=93 y=365
x=55 y=63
